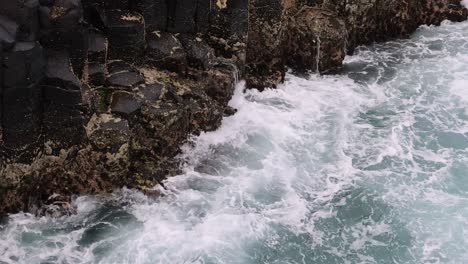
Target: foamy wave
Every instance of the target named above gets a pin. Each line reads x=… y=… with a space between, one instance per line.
x=464 y=3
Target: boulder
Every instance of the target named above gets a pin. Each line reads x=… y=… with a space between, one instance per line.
x=125 y=80
x=25 y=14
x=117 y=66
x=59 y=72
x=108 y=133
x=219 y=83
x=165 y=51
x=436 y=11
x=96 y=74
x=151 y=92
x=124 y=104
x=199 y=54
x=66 y=14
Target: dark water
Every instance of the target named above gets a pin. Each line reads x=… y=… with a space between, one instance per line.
x=370 y=166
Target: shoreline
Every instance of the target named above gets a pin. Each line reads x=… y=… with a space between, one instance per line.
x=112 y=91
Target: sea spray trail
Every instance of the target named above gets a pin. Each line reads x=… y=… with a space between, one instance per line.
x=370 y=166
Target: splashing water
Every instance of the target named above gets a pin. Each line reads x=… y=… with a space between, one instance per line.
x=464 y=3
x=370 y=166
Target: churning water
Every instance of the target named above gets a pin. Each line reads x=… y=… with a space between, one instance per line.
x=370 y=166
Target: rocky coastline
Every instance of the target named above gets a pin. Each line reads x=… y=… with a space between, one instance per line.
x=98 y=94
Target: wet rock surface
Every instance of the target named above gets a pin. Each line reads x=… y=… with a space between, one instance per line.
x=285 y=33
x=97 y=95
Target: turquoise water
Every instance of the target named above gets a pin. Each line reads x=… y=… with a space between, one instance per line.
x=369 y=166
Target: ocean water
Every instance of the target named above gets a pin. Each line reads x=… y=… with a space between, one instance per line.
x=369 y=166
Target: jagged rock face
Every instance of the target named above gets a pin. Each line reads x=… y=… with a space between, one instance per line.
x=379 y=20
x=166 y=51
x=282 y=34
x=96 y=95
x=265 y=62
x=315 y=39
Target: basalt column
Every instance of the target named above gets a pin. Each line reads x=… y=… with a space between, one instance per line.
x=22 y=68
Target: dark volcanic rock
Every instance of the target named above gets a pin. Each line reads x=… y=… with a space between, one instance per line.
x=181 y=14
x=25 y=14
x=46 y=2
x=125 y=80
x=96 y=74
x=23 y=65
x=59 y=71
x=154 y=13
x=64 y=97
x=199 y=54
x=23 y=68
x=315 y=41
x=165 y=51
x=117 y=66
x=107 y=132
x=63 y=30
x=228 y=30
x=151 y=92
x=8 y=32
x=62 y=117
x=265 y=65
x=21 y=117
x=97 y=48
x=124 y=103
x=126 y=32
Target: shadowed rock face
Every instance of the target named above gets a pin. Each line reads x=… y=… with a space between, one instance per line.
x=96 y=95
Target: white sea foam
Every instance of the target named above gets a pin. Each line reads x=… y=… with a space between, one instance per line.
x=464 y=3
